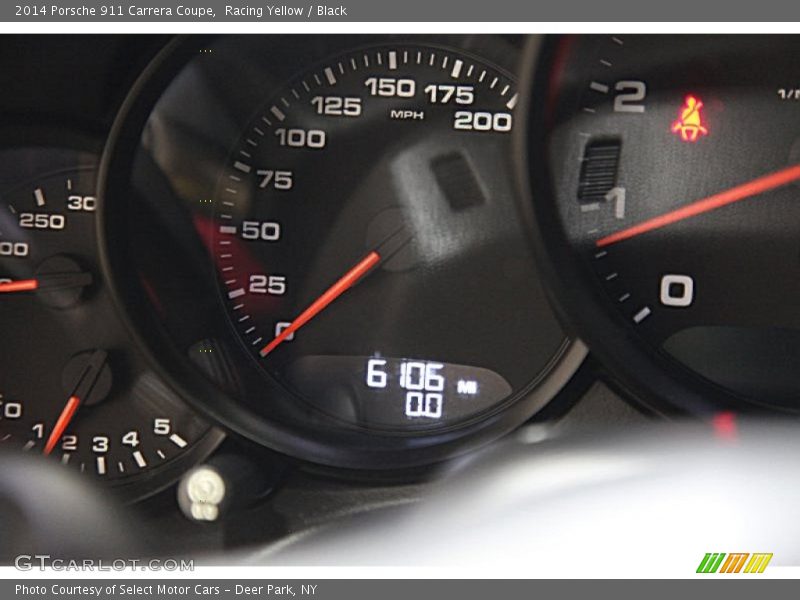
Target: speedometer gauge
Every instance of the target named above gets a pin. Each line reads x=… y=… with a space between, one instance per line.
x=353 y=210
x=365 y=245
x=674 y=164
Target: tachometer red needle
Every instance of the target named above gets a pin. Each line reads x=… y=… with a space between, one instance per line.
x=48 y=282
x=337 y=289
x=61 y=424
x=23 y=285
x=734 y=194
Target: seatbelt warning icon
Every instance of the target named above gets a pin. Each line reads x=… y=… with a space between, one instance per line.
x=689 y=124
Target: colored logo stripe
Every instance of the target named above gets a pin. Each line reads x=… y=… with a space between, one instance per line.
x=734 y=562
x=758 y=563
x=713 y=562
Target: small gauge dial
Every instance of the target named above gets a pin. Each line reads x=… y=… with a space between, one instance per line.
x=70 y=386
x=675 y=164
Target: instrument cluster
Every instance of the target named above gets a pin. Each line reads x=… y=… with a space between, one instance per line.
x=375 y=253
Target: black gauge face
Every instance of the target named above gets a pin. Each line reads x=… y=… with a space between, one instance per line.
x=70 y=387
x=366 y=243
x=345 y=244
x=675 y=164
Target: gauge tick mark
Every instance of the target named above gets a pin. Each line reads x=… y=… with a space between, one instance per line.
x=642 y=314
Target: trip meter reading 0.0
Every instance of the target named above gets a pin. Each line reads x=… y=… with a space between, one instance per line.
x=331 y=232
x=366 y=243
x=399 y=389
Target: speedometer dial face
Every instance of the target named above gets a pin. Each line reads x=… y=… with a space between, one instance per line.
x=375 y=300
x=366 y=244
x=71 y=388
x=675 y=164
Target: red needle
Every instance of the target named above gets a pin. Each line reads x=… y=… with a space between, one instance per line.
x=698 y=207
x=23 y=285
x=337 y=289
x=61 y=424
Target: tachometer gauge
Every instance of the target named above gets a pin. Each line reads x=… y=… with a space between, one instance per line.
x=674 y=164
x=70 y=386
x=355 y=208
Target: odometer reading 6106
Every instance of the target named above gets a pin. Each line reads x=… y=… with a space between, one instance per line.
x=367 y=246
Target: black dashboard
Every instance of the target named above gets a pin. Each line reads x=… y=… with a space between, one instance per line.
x=251 y=284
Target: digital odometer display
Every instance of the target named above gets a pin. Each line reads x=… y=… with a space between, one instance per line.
x=393 y=391
x=367 y=212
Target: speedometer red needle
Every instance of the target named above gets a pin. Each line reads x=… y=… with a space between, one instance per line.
x=347 y=281
x=23 y=285
x=61 y=424
x=704 y=205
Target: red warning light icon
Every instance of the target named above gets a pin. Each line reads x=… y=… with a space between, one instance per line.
x=689 y=125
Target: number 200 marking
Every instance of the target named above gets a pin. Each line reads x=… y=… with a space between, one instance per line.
x=482 y=121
